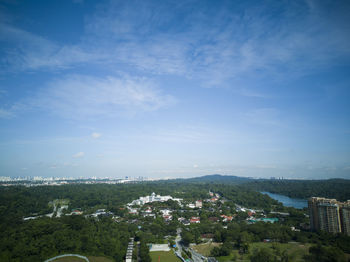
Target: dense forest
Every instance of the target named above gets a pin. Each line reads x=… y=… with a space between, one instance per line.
x=48 y=237
x=17 y=202
x=331 y=188
x=44 y=237
x=37 y=240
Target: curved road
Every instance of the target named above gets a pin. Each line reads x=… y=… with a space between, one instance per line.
x=196 y=257
x=67 y=255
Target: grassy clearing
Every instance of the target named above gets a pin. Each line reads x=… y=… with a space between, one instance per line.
x=205 y=248
x=69 y=259
x=164 y=256
x=99 y=259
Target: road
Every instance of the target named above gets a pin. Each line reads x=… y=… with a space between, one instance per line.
x=67 y=255
x=196 y=257
x=178 y=242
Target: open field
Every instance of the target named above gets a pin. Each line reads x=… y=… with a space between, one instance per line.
x=205 y=248
x=163 y=256
x=99 y=259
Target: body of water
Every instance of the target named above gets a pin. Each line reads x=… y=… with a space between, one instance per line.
x=287 y=201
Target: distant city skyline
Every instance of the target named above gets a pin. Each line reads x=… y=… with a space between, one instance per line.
x=166 y=89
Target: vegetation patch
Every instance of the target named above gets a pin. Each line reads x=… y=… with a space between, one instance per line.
x=276 y=251
x=99 y=259
x=205 y=248
x=163 y=256
x=77 y=259
x=69 y=259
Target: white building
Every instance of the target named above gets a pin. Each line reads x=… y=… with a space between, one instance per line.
x=153 y=198
x=165 y=212
x=159 y=247
x=199 y=204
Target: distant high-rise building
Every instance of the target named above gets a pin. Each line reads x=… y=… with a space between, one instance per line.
x=345 y=217
x=329 y=215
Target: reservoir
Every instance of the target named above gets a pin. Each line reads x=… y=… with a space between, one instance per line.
x=287 y=201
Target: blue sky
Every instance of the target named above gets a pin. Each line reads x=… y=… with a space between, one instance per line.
x=175 y=88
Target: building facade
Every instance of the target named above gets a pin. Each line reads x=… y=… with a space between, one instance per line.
x=345 y=217
x=153 y=198
x=329 y=215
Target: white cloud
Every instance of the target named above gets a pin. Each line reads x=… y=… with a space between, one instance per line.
x=32 y=52
x=80 y=96
x=12 y=110
x=79 y=154
x=241 y=42
x=95 y=135
x=210 y=48
x=216 y=48
x=3 y=92
x=4 y=113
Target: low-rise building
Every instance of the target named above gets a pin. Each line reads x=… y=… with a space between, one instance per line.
x=195 y=220
x=153 y=198
x=214 y=219
x=199 y=204
x=128 y=257
x=77 y=212
x=159 y=247
x=226 y=218
x=168 y=217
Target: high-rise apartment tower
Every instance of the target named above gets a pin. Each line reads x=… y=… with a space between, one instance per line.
x=329 y=215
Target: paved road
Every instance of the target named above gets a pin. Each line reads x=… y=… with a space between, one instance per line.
x=67 y=255
x=196 y=257
x=178 y=242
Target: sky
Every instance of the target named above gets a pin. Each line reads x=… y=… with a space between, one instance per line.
x=165 y=89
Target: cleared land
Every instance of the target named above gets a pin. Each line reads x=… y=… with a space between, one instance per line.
x=163 y=256
x=205 y=248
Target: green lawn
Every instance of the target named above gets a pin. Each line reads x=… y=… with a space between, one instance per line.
x=99 y=259
x=164 y=256
x=205 y=248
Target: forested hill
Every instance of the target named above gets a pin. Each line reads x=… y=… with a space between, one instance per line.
x=217 y=179
x=331 y=188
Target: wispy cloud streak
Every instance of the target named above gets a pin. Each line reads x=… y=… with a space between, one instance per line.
x=80 y=96
x=211 y=44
